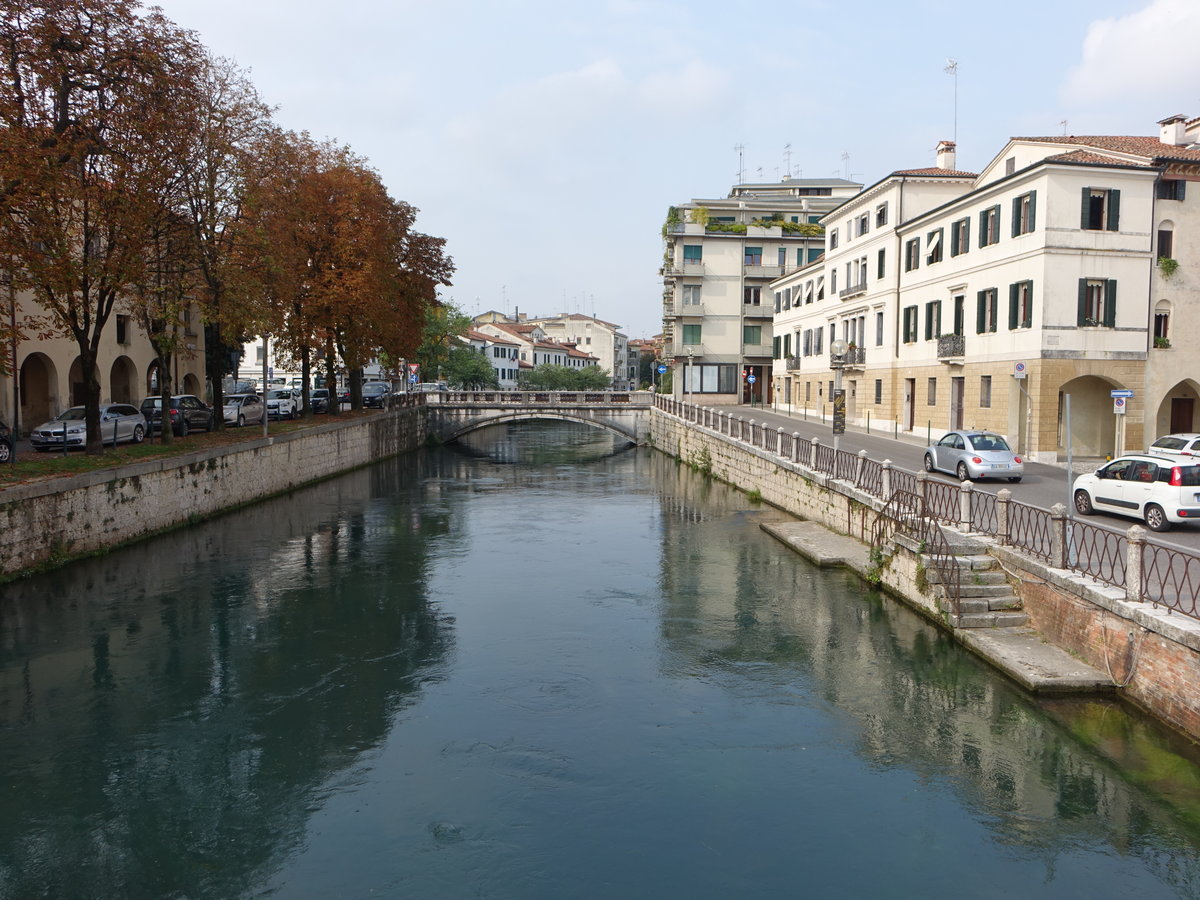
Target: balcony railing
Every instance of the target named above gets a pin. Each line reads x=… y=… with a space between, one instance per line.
x=951 y=346
x=761 y=271
x=854 y=358
x=852 y=291
x=756 y=349
x=793 y=363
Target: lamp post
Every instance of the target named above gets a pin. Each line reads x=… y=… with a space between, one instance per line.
x=687 y=378
x=837 y=360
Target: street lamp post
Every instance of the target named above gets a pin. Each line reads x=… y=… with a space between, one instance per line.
x=837 y=360
x=687 y=377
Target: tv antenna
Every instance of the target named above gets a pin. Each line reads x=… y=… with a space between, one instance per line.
x=787 y=158
x=951 y=68
x=740 y=149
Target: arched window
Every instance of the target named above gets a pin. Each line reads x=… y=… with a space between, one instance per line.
x=1166 y=240
x=1162 y=323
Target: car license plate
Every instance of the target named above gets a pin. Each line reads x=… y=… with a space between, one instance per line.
x=999 y=465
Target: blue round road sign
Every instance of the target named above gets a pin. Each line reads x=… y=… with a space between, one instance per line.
x=751 y=378
x=662 y=370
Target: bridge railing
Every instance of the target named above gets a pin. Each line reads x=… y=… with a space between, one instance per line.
x=539 y=398
x=1146 y=571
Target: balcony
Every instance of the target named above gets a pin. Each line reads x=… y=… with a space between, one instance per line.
x=793 y=363
x=951 y=347
x=679 y=308
x=682 y=350
x=761 y=271
x=853 y=290
x=757 y=350
x=855 y=358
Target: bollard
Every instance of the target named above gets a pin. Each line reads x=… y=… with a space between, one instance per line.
x=923 y=492
x=1136 y=536
x=795 y=446
x=885 y=489
x=858 y=467
x=812 y=460
x=779 y=442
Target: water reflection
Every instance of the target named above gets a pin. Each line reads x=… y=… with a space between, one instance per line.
x=171 y=712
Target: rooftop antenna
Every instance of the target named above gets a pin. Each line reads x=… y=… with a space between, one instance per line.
x=759 y=170
x=741 y=172
x=787 y=158
x=846 y=163
x=951 y=68
x=1063 y=123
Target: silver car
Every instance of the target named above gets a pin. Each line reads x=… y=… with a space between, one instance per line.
x=118 y=422
x=242 y=408
x=972 y=455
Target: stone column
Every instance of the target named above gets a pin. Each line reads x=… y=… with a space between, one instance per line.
x=812 y=461
x=795 y=446
x=886 y=484
x=1003 y=497
x=1136 y=536
x=858 y=467
x=966 y=489
x=1058 y=536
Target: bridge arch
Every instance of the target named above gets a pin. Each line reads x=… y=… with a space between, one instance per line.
x=458 y=429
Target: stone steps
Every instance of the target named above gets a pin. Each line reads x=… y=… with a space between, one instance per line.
x=985 y=598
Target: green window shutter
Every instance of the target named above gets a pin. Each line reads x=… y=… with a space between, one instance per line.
x=1028 y=321
x=1110 y=303
x=1016 y=216
x=1032 y=210
x=995 y=296
x=928 y=321
x=775 y=349
x=1114 y=210
x=980 y=312
x=1012 y=307
x=954 y=240
x=1082 y=313
x=1086 y=207
x=966 y=241
x=983 y=228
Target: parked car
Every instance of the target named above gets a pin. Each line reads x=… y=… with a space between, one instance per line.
x=320 y=400
x=430 y=387
x=118 y=422
x=243 y=408
x=187 y=413
x=973 y=455
x=376 y=394
x=1176 y=446
x=281 y=403
x=1157 y=489
x=6 y=443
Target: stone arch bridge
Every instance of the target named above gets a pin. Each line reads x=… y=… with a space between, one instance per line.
x=624 y=413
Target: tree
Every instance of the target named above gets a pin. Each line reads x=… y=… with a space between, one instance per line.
x=469 y=370
x=91 y=100
x=443 y=324
x=548 y=377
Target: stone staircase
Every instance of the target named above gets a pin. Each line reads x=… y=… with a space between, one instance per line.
x=985 y=598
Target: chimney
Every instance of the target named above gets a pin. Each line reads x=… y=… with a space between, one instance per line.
x=945 y=155
x=1171 y=130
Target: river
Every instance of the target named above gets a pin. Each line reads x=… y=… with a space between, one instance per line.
x=543 y=665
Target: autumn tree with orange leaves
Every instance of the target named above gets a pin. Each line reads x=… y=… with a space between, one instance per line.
x=92 y=94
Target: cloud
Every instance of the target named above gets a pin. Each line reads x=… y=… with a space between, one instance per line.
x=1147 y=54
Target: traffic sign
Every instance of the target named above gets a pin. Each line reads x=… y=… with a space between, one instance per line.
x=1125 y=394
x=751 y=379
x=662 y=369
x=1119 y=406
x=839 y=411
x=1019 y=370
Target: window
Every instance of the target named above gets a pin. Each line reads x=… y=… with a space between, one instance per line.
x=807 y=391
x=880 y=266
x=878 y=391
x=985 y=311
x=782 y=257
x=832 y=282
x=1166 y=243
x=753 y=256
x=881 y=215
x=787 y=345
x=989 y=226
x=912 y=253
x=933 y=320
x=808 y=341
x=1024 y=213
x=692 y=254
x=933 y=247
x=808 y=292
x=691 y=295
x=787 y=298
x=1170 y=189
x=711 y=378
x=820 y=287
x=933 y=392
x=959 y=314
x=1101 y=209
x=1020 y=305
x=960 y=237
x=776 y=347
x=864 y=224
x=691 y=334
x=985 y=391
x=751 y=334
x=910 y=324
x=879 y=329
x=122 y=329
x=813 y=253
x=1162 y=321
x=752 y=296
x=1097 y=302
x=1010 y=165
x=818 y=341
x=778 y=301
x=833 y=238
x=260 y=354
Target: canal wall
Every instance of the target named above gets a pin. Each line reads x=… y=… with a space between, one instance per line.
x=1151 y=655
x=47 y=523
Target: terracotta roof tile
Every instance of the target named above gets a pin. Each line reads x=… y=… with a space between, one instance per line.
x=1095 y=159
x=934 y=170
x=1134 y=145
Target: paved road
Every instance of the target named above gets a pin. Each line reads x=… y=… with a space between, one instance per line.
x=1042 y=486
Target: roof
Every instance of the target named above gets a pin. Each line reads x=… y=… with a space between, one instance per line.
x=1134 y=145
x=936 y=170
x=1087 y=157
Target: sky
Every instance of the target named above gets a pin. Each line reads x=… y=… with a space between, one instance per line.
x=545 y=139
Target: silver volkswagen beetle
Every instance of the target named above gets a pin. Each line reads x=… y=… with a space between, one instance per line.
x=972 y=455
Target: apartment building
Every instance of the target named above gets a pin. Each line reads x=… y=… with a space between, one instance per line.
x=721 y=256
x=501 y=352
x=602 y=340
x=984 y=300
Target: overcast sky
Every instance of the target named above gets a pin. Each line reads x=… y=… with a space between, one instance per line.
x=545 y=140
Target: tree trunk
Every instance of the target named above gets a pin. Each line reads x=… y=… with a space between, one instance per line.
x=335 y=402
x=165 y=433
x=305 y=390
x=91 y=399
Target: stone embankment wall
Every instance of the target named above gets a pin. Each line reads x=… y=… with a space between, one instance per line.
x=1151 y=654
x=50 y=522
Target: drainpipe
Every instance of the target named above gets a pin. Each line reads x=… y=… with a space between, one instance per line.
x=896 y=335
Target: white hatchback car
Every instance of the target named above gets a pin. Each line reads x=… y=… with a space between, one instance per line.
x=1176 y=446
x=1157 y=489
